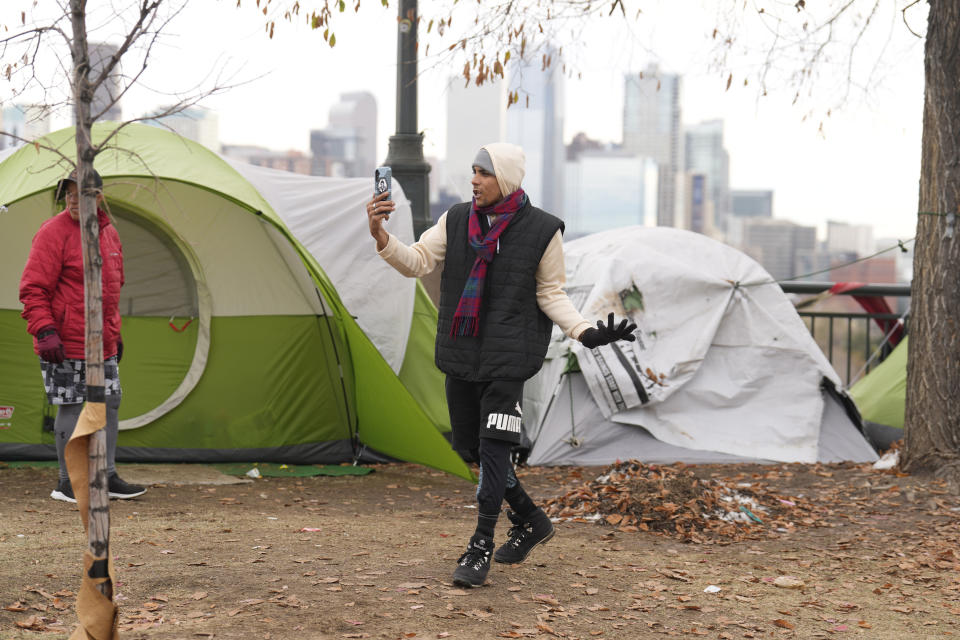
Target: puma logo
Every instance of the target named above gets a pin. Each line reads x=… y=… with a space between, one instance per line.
x=503 y=422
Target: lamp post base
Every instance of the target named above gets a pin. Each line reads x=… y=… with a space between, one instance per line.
x=405 y=159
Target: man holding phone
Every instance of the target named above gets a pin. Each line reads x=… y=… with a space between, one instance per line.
x=501 y=292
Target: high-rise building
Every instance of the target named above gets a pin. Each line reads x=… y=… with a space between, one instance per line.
x=852 y=238
x=755 y=203
x=106 y=99
x=194 y=123
x=785 y=249
x=696 y=207
x=23 y=123
x=475 y=116
x=651 y=128
x=348 y=146
x=536 y=124
x=705 y=155
x=746 y=205
x=334 y=153
x=606 y=189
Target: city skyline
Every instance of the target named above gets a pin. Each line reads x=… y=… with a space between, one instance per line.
x=863 y=168
x=609 y=186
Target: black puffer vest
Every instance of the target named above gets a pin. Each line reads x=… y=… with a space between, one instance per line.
x=514 y=332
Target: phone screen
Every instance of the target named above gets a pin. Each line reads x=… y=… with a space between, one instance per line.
x=381 y=180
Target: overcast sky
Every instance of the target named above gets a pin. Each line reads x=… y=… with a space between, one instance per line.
x=862 y=168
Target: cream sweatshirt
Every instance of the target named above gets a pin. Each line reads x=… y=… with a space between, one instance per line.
x=422 y=257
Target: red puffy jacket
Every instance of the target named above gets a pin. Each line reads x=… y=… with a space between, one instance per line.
x=51 y=288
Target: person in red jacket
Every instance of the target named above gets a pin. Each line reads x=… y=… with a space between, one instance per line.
x=51 y=290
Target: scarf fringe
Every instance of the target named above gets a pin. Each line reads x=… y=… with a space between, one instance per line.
x=465 y=326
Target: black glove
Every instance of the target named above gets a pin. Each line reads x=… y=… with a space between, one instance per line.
x=49 y=345
x=119 y=349
x=593 y=338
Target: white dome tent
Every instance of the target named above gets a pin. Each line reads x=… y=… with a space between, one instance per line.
x=723 y=369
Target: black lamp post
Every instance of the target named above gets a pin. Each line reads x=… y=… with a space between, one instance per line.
x=405 y=153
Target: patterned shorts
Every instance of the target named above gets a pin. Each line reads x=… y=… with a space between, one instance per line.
x=66 y=383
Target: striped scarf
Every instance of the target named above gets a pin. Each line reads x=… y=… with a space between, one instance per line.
x=466 y=319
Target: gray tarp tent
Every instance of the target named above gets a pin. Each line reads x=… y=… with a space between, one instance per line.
x=723 y=368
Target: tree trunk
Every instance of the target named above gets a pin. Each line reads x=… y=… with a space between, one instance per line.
x=932 y=421
x=98 y=519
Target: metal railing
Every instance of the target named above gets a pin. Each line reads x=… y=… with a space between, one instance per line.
x=850 y=339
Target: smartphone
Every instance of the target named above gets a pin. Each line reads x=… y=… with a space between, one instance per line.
x=381 y=180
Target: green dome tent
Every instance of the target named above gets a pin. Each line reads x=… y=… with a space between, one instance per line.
x=881 y=394
x=239 y=346
x=881 y=397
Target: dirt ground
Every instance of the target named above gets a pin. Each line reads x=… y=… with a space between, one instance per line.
x=873 y=554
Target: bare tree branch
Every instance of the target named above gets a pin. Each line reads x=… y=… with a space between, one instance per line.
x=483 y=41
x=41 y=145
x=904 y=14
x=157 y=116
x=145 y=19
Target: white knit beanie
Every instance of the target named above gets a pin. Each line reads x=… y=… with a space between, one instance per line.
x=508 y=165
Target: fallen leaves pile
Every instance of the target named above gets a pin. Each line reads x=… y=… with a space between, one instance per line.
x=673 y=501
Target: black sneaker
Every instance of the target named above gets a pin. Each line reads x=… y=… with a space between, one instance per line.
x=117 y=488
x=473 y=565
x=63 y=492
x=524 y=535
